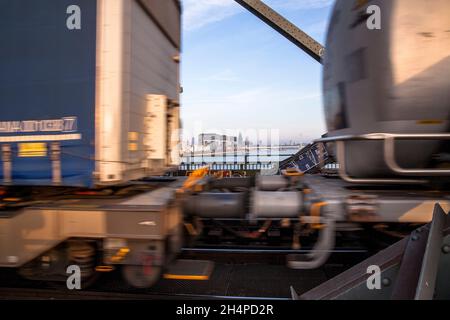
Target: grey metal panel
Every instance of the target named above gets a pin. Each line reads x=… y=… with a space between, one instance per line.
x=276 y=204
x=343 y=285
x=271 y=183
x=442 y=290
x=216 y=205
x=409 y=271
x=29 y=234
x=138 y=224
x=430 y=264
x=152 y=68
x=149 y=69
x=167 y=15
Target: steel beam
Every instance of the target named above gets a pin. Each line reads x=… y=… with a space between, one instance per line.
x=286 y=28
x=430 y=263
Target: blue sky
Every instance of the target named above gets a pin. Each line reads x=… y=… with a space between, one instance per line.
x=239 y=74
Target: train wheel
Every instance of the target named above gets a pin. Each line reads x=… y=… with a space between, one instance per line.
x=141 y=276
x=52 y=267
x=83 y=255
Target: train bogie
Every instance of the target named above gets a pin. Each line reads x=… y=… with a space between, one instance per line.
x=140 y=235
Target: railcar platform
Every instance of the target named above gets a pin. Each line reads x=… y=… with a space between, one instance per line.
x=373 y=203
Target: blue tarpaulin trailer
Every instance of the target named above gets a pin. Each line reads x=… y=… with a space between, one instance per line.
x=82 y=97
x=47 y=89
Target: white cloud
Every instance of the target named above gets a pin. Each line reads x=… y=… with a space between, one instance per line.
x=226 y=75
x=257 y=96
x=299 y=4
x=199 y=13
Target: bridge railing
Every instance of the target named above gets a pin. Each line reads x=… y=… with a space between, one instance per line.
x=229 y=166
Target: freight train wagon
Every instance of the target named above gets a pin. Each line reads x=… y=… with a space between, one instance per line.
x=387 y=92
x=89 y=90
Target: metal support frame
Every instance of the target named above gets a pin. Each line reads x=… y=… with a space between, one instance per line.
x=416 y=267
x=389 y=156
x=7 y=163
x=55 y=157
x=321 y=148
x=430 y=263
x=321 y=250
x=285 y=28
x=344 y=175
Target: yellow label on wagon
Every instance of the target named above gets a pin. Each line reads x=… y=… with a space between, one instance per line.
x=35 y=149
x=132 y=146
x=133 y=136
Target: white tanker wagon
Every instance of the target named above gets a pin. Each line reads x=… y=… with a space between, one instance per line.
x=387 y=91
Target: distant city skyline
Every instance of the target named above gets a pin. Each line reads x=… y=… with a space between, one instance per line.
x=239 y=74
x=210 y=140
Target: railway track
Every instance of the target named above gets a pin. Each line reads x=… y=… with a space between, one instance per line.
x=49 y=294
x=237 y=275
